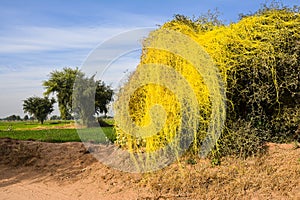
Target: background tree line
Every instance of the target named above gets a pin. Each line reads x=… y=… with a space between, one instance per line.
x=61 y=83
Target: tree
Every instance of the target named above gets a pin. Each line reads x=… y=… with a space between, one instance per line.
x=26 y=118
x=103 y=96
x=61 y=83
x=39 y=107
x=90 y=97
x=55 y=117
x=18 y=118
x=11 y=118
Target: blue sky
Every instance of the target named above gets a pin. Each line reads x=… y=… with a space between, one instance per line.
x=37 y=37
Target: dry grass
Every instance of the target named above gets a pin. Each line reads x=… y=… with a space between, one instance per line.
x=275 y=175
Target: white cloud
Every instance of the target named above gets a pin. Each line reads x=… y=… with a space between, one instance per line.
x=26 y=39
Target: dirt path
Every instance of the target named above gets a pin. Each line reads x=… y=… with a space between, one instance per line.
x=35 y=170
x=28 y=185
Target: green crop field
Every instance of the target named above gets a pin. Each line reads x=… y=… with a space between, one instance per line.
x=54 y=132
x=24 y=125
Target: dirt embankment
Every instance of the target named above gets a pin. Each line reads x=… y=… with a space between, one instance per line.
x=36 y=170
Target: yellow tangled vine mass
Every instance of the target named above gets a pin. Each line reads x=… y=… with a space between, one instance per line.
x=251 y=47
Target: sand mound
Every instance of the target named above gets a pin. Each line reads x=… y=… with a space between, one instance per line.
x=36 y=170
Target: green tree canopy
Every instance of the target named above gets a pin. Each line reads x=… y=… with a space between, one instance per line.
x=61 y=83
x=13 y=118
x=90 y=97
x=26 y=117
x=39 y=107
x=103 y=96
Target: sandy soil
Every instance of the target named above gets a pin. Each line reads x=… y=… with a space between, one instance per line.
x=35 y=170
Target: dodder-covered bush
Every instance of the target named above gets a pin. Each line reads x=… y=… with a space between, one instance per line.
x=258 y=59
